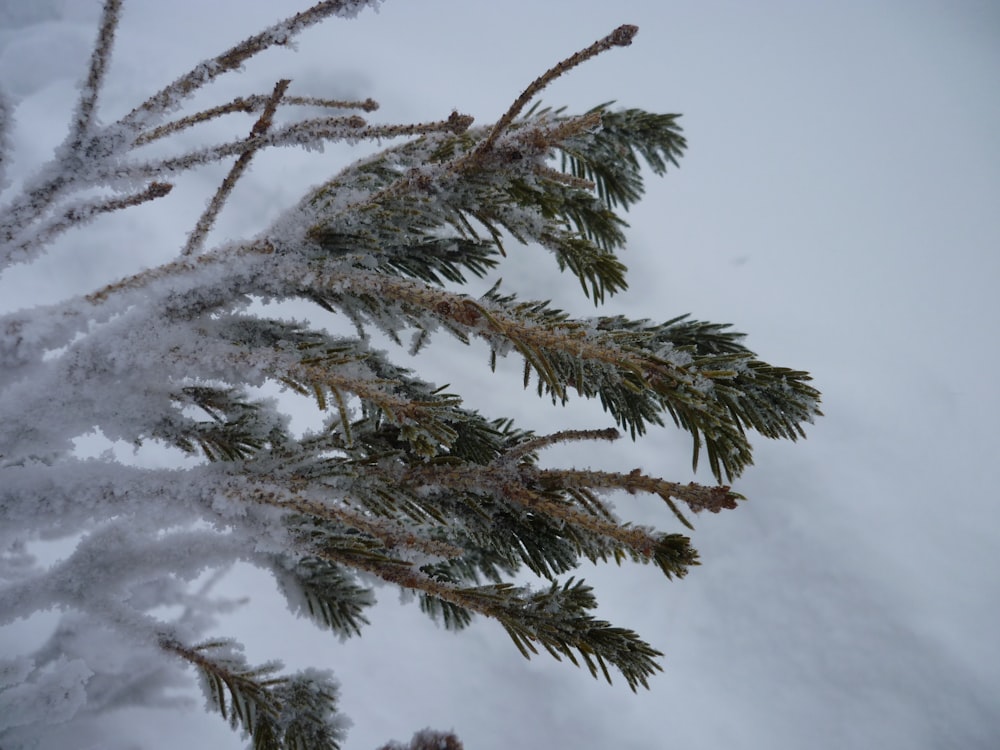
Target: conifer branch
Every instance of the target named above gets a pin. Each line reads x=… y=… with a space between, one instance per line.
x=401 y=482
x=233 y=434
x=697 y=497
x=538 y=491
x=326 y=593
x=278 y=713
x=672 y=553
x=557 y=619
x=250 y=705
x=607 y=155
x=702 y=395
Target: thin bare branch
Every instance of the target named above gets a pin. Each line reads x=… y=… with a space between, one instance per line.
x=306 y=133
x=175 y=268
x=78 y=215
x=35 y=202
x=456 y=123
x=249 y=104
x=280 y=34
x=99 y=59
x=197 y=237
x=620 y=37
x=238 y=105
x=368 y=105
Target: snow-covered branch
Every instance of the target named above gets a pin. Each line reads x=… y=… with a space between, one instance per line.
x=397 y=480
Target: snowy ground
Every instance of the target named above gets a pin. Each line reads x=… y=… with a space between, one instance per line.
x=839 y=202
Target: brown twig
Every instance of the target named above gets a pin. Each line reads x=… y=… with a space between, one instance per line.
x=529 y=489
x=277 y=35
x=697 y=497
x=176 y=267
x=98 y=66
x=620 y=37
x=75 y=216
x=456 y=123
x=248 y=104
x=29 y=207
x=263 y=124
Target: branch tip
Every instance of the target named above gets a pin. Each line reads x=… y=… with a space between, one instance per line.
x=623 y=35
x=620 y=37
x=459 y=123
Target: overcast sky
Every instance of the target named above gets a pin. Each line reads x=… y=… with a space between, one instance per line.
x=839 y=202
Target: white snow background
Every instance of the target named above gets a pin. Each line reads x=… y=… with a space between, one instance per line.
x=839 y=202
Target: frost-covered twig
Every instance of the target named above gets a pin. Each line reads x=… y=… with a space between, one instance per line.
x=309 y=133
x=563 y=436
x=73 y=216
x=263 y=124
x=248 y=105
x=82 y=144
x=620 y=37
x=280 y=34
x=99 y=60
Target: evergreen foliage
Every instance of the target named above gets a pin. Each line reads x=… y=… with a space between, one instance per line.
x=402 y=482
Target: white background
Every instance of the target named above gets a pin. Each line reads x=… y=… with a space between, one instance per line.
x=840 y=202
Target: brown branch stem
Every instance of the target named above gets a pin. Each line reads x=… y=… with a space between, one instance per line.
x=99 y=59
x=247 y=105
x=620 y=37
x=197 y=237
x=277 y=35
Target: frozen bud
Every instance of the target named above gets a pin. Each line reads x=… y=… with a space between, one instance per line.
x=623 y=35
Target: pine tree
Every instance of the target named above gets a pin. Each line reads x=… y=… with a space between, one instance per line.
x=400 y=482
